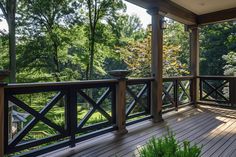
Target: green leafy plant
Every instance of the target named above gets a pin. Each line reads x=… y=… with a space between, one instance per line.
x=168 y=146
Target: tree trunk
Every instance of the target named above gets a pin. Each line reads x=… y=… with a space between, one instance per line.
x=11 y=10
x=92 y=48
x=56 y=62
x=92 y=31
x=87 y=72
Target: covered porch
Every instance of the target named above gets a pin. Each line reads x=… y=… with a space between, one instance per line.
x=137 y=108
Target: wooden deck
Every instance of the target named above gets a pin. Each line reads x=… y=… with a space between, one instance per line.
x=211 y=127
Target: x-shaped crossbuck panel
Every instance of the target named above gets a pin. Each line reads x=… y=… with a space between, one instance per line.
x=96 y=106
x=184 y=89
x=176 y=97
x=167 y=95
x=215 y=90
x=38 y=116
x=137 y=100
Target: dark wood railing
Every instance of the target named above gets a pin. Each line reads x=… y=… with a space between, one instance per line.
x=177 y=92
x=118 y=102
x=68 y=95
x=99 y=97
x=218 y=89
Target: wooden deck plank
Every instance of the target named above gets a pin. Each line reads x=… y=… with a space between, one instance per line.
x=227 y=144
x=230 y=151
x=133 y=134
x=214 y=143
x=117 y=147
x=214 y=137
x=204 y=138
x=226 y=119
x=182 y=132
x=177 y=135
x=139 y=143
x=107 y=139
x=197 y=130
x=212 y=127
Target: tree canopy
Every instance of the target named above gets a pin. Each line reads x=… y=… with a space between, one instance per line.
x=60 y=40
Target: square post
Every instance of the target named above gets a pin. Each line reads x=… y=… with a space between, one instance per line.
x=120 y=75
x=194 y=61
x=232 y=91
x=1 y=119
x=121 y=106
x=71 y=114
x=157 y=65
x=176 y=85
x=3 y=75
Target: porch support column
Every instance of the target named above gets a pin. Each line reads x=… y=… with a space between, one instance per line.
x=3 y=75
x=1 y=119
x=194 y=59
x=157 y=65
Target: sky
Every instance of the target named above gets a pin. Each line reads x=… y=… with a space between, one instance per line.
x=3 y=25
x=140 y=12
x=131 y=10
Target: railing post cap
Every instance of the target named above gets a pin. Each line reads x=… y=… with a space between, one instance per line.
x=3 y=75
x=119 y=74
x=2 y=84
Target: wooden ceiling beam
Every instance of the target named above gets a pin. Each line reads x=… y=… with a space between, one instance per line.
x=169 y=9
x=219 y=16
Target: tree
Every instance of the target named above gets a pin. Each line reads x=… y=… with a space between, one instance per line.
x=49 y=19
x=137 y=55
x=4 y=55
x=230 y=67
x=127 y=26
x=176 y=36
x=216 y=40
x=95 y=12
x=8 y=8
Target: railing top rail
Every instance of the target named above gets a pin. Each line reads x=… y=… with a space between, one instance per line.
x=178 y=78
x=140 y=79
x=90 y=82
x=67 y=83
x=135 y=81
x=216 y=77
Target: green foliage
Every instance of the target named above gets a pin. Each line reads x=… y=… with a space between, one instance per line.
x=216 y=40
x=137 y=53
x=4 y=55
x=65 y=39
x=168 y=146
x=176 y=36
x=137 y=56
x=230 y=67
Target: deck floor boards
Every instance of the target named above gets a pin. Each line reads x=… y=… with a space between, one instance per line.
x=211 y=127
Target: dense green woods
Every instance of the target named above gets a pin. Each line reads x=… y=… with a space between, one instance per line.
x=58 y=40
x=216 y=42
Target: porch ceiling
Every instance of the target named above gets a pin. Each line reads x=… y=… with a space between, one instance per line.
x=193 y=12
x=201 y=7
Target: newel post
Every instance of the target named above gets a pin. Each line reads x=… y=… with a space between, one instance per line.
x=120 y=75
x=3 y=75
x=194 y=59
x=157 y=64
x=232 y=91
